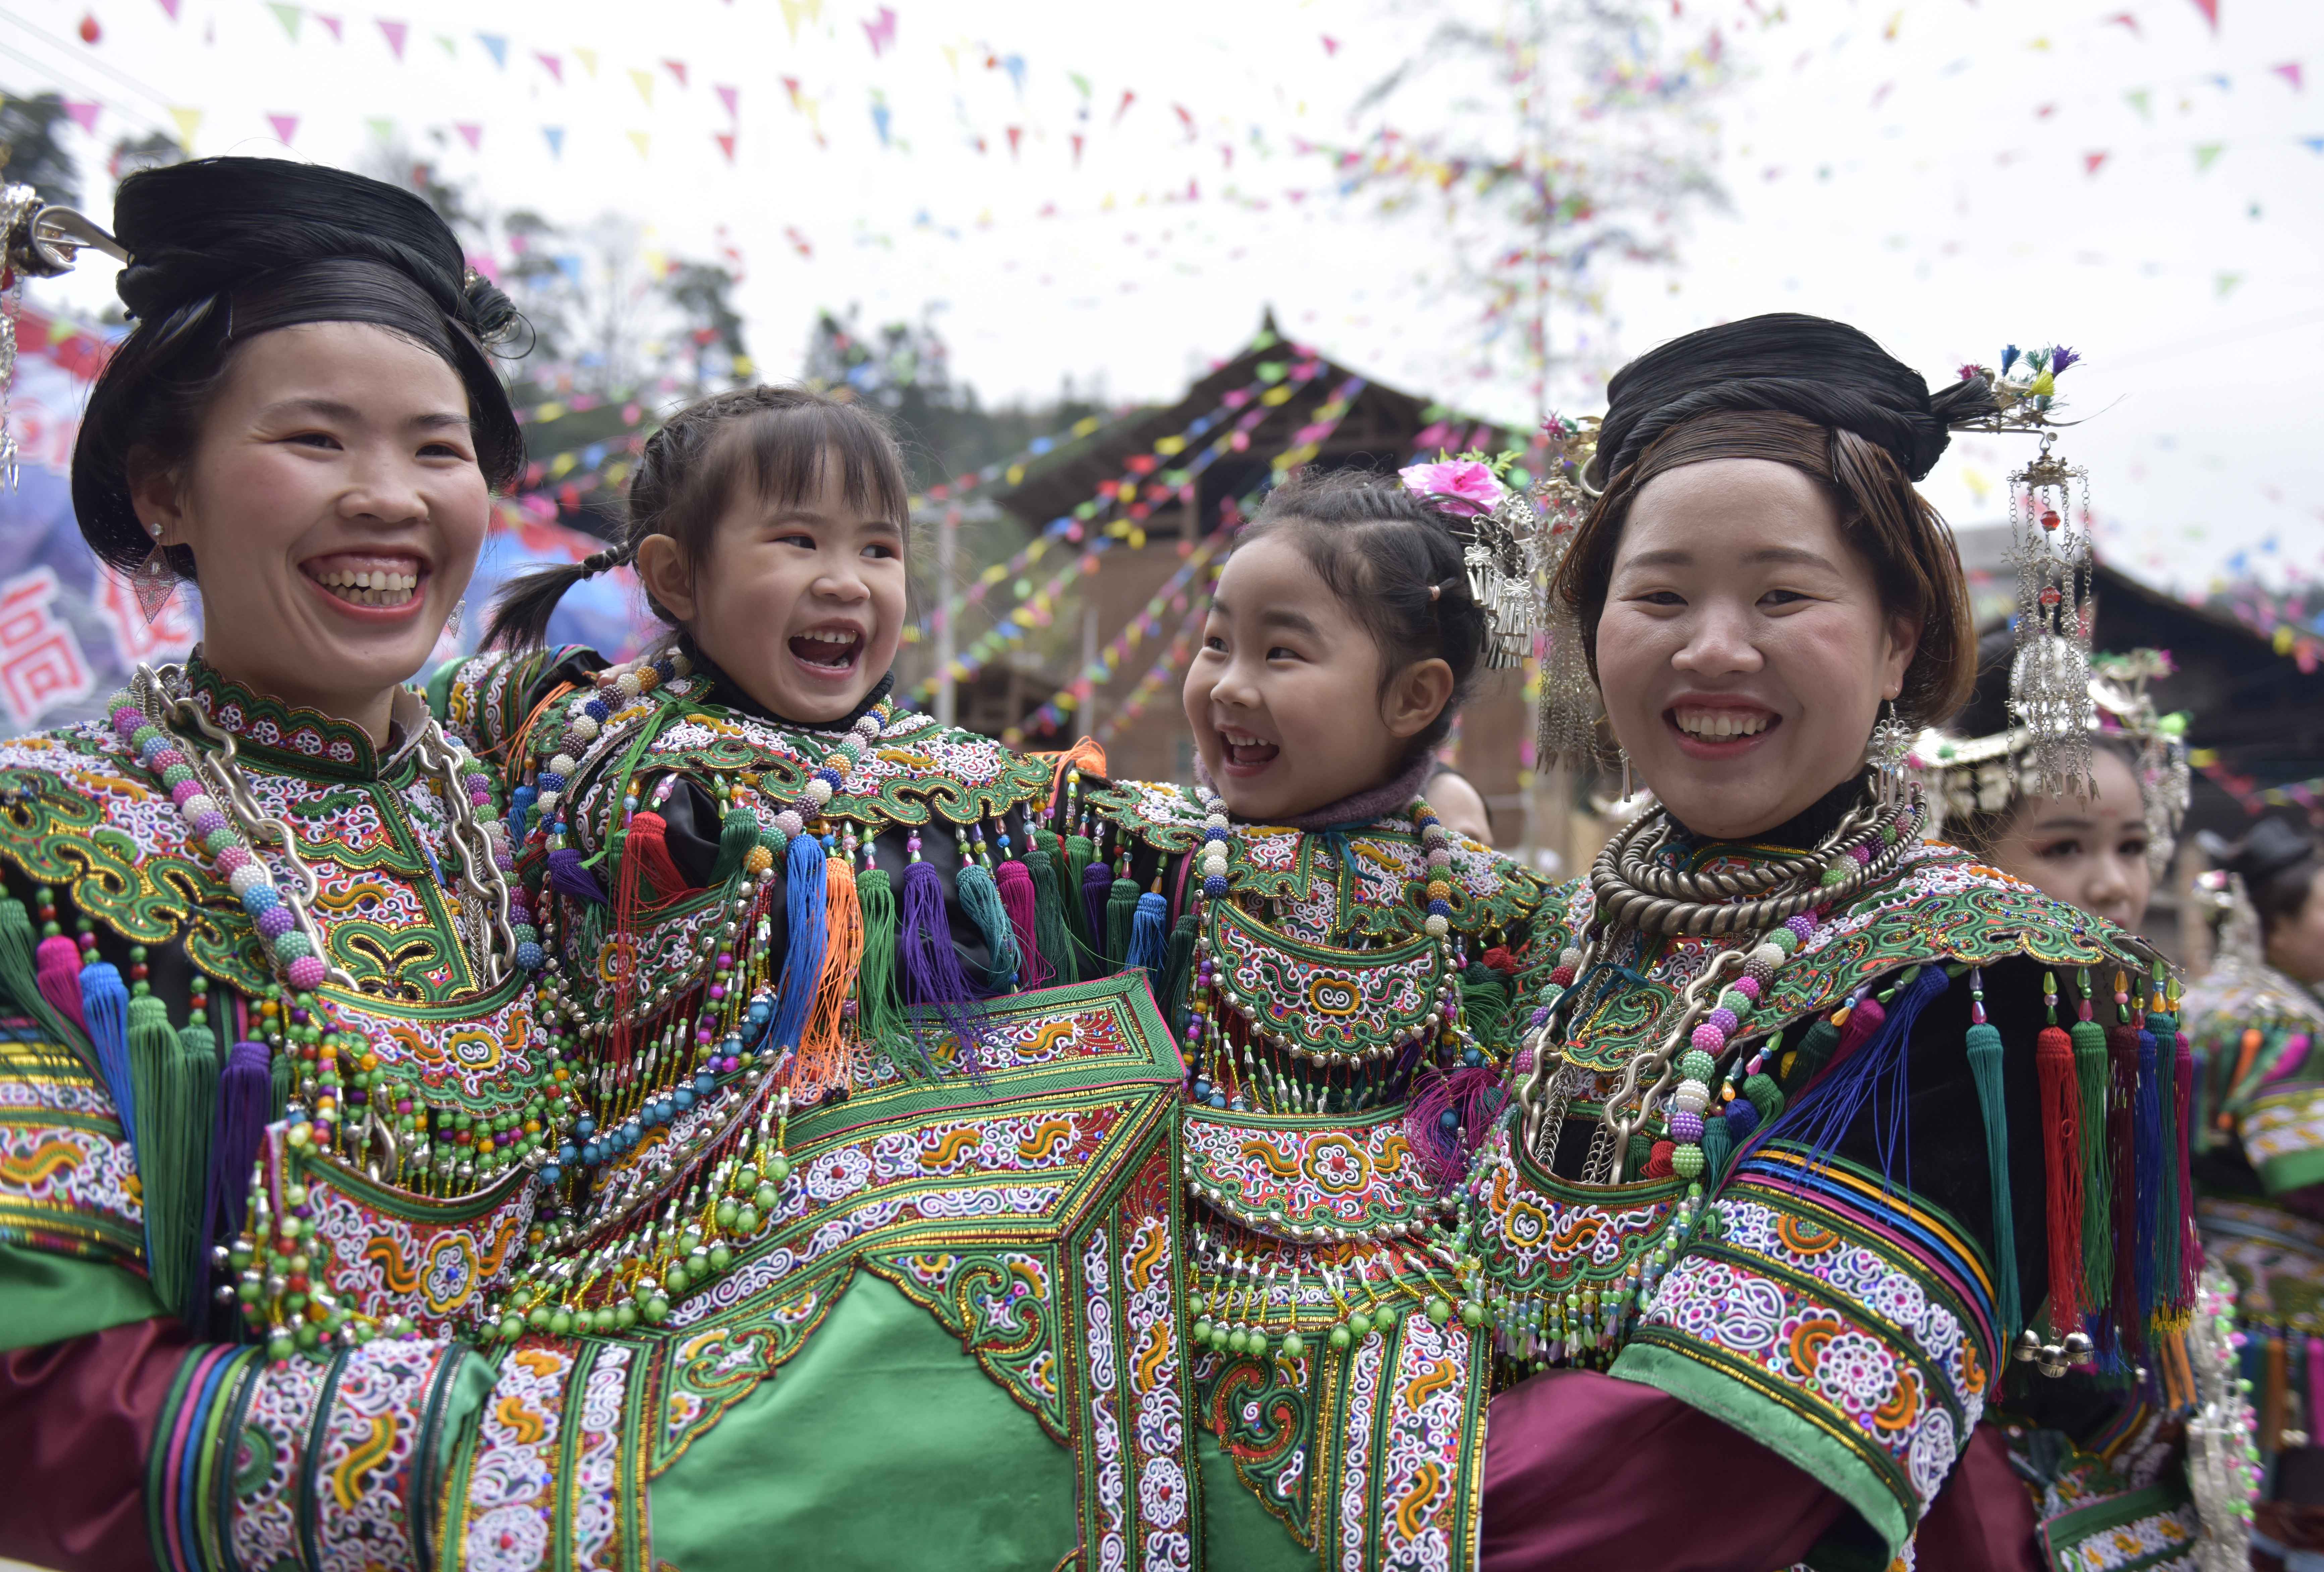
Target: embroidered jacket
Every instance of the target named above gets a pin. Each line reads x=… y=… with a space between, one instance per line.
x=114 y=1188
x=1869 y=1234
x=916 y=1243
x=1338 y=1056
x=2259 y=1168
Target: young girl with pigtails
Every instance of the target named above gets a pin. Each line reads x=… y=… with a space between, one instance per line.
x=1340 y=968
x=797 y=938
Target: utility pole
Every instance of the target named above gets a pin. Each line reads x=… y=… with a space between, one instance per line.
x=947 y=550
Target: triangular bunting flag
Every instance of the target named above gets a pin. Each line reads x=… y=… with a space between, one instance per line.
x=728 y=96
x=2207 y=154
x=381 y=126
x=83 y=116
x=644 y=80
x=553 y=64
x=471 y=134
x=2290 y=71
x=337 y=27
x=638 y=139
x=396 y=32
x=497 y=43
x=189 y=121
x=2091 y=162
x=556 y=135
x=2211 y=10
x=793 y=10
x=451 y=47
x=171 y=7
x=2312 y=143
x=675 y=69
x=286 y=126
x=2139 y=100
x=588 y=58
x=288 y=15
x=726 y=143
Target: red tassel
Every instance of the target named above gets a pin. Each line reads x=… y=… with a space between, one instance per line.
x=646 y=848
x=2122 y=1156
x=628 y=897
x=2061 y=1156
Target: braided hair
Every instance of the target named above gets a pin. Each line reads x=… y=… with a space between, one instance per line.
x=1394 y=559
x=777 y=440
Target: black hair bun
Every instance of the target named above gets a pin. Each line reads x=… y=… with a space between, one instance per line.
x=2272 y=847
x=1810 y=366
x=194 y=229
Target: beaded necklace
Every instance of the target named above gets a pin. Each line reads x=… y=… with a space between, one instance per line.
x=1261 y=1069
x=720 y=1173
x=198 y=768
x=1775 y=907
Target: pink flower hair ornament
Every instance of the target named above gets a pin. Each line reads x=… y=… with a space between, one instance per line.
x=1467 y=487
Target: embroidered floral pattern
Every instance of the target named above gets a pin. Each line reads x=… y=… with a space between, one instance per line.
x=67 y=1180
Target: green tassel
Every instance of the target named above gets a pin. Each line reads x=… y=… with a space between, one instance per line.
x=1642 y=1152
x=1718 y=1146
x=1121 y=912
x=1484 y=1001
x=159 y=1081
x=2097 y=1202
x=277 y=1069
x=1049 y=930
x=879 y=1015
x=1079 y=854
x=198 y=1054
x=1762 y=1093
x=1814 y=1052
x=18 y=972
x=1985 y=1066
x=980 y=898
x=1178 y=971
x=738 y=832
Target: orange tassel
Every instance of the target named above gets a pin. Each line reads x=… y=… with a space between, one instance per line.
x=823 y=1058
x=2249 y=1051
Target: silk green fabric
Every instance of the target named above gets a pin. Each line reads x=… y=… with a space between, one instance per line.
x=46 y=1299
x=853 y=1455
x=1239 y=1535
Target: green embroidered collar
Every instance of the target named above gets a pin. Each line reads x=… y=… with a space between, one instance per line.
x=268 y=732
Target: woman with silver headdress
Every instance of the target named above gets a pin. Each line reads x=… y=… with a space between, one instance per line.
x=1805 y=1080
x=2090 y=1441
x=2257 y=1025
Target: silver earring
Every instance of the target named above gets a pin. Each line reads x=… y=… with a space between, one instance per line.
x=1626 y=774
x=1891 y=740
x=154 y=581
x=452 y=623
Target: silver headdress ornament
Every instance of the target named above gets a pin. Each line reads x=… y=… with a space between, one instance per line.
x=2049 y=546
x=1499 y=557
x=38 y=240
x=1566 y=711
x=1984 y=775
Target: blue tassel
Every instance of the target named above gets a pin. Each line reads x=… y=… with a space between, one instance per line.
x=1150 y=937
x=803 y=955
x=2148 y=1131
x=519 y=814
x=1857 y=1083
x=104 y=1005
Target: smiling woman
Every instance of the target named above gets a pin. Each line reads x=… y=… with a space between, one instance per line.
x=257 y=922
x=1802 y=1054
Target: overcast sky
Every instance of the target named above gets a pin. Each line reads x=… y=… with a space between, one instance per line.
x=1923 y=169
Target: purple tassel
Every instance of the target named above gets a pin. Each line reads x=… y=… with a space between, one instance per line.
x=1097 y=886
x=1472 y=1095
x=58 y=960
x=932 y=974
x=567 y=876
x=245 y=1098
